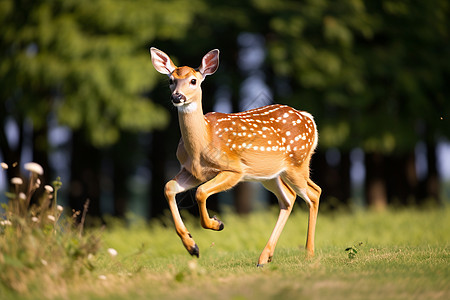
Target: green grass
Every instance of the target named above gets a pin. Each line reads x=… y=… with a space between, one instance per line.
x=405 y=255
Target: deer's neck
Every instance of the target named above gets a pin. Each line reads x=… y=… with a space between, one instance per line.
x=193 y=128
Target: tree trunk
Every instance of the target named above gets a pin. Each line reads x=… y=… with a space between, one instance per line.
x=158 y=158
x=40 y=151
x=85 y=176
x=345 y=188
x=375 y=185
x=242 y=198
x=123 y=165
x=432 y=181
x=334 y=180
x=401 y=178
x=318 y=173
x=120 y=191
x=12 y=157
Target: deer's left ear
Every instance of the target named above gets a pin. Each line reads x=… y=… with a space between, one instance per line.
x=210 y=63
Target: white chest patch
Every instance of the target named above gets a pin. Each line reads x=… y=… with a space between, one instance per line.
x=187 y=108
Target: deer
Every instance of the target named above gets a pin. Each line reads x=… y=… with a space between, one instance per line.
x=272 y=145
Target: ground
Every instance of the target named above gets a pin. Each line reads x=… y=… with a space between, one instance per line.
x=400 y=254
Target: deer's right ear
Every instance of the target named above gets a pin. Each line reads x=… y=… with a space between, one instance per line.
x=161 y=61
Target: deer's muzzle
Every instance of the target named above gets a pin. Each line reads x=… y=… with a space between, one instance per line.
x=178 y=98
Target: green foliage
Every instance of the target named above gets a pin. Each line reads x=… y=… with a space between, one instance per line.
x=353 y=250
x=370 y=72
x=87 y=61
x=375 y=69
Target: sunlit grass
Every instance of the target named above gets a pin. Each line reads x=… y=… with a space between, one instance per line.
x=404 y=255
x=406 y=228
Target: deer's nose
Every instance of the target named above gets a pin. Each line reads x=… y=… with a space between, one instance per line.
x=177 y=98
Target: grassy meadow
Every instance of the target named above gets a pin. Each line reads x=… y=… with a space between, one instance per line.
x=396 y=254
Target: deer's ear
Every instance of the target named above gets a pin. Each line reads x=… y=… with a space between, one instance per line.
x=161 y=61
x=210 y=63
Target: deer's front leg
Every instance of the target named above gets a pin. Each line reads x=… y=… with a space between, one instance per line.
x=223 y=181
x=182 y=182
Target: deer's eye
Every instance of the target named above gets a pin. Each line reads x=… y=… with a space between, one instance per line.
x=170 y=81
x=194 y=81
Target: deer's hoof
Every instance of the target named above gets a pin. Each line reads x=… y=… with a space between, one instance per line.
x=263 y=260
x=221 y=225
x=194 y=251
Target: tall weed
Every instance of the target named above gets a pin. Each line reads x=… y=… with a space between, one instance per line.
x=39 y=244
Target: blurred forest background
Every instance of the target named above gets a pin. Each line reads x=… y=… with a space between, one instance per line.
x=79 y=95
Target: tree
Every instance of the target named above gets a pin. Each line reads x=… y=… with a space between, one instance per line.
x=372 y=74
x=86 y=62
x=408 y=67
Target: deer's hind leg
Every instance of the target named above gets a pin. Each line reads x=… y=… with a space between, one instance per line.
x=286 y=198
x=310 y=192
x=313 y=193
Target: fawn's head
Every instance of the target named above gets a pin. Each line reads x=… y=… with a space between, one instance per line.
x=185 y=81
